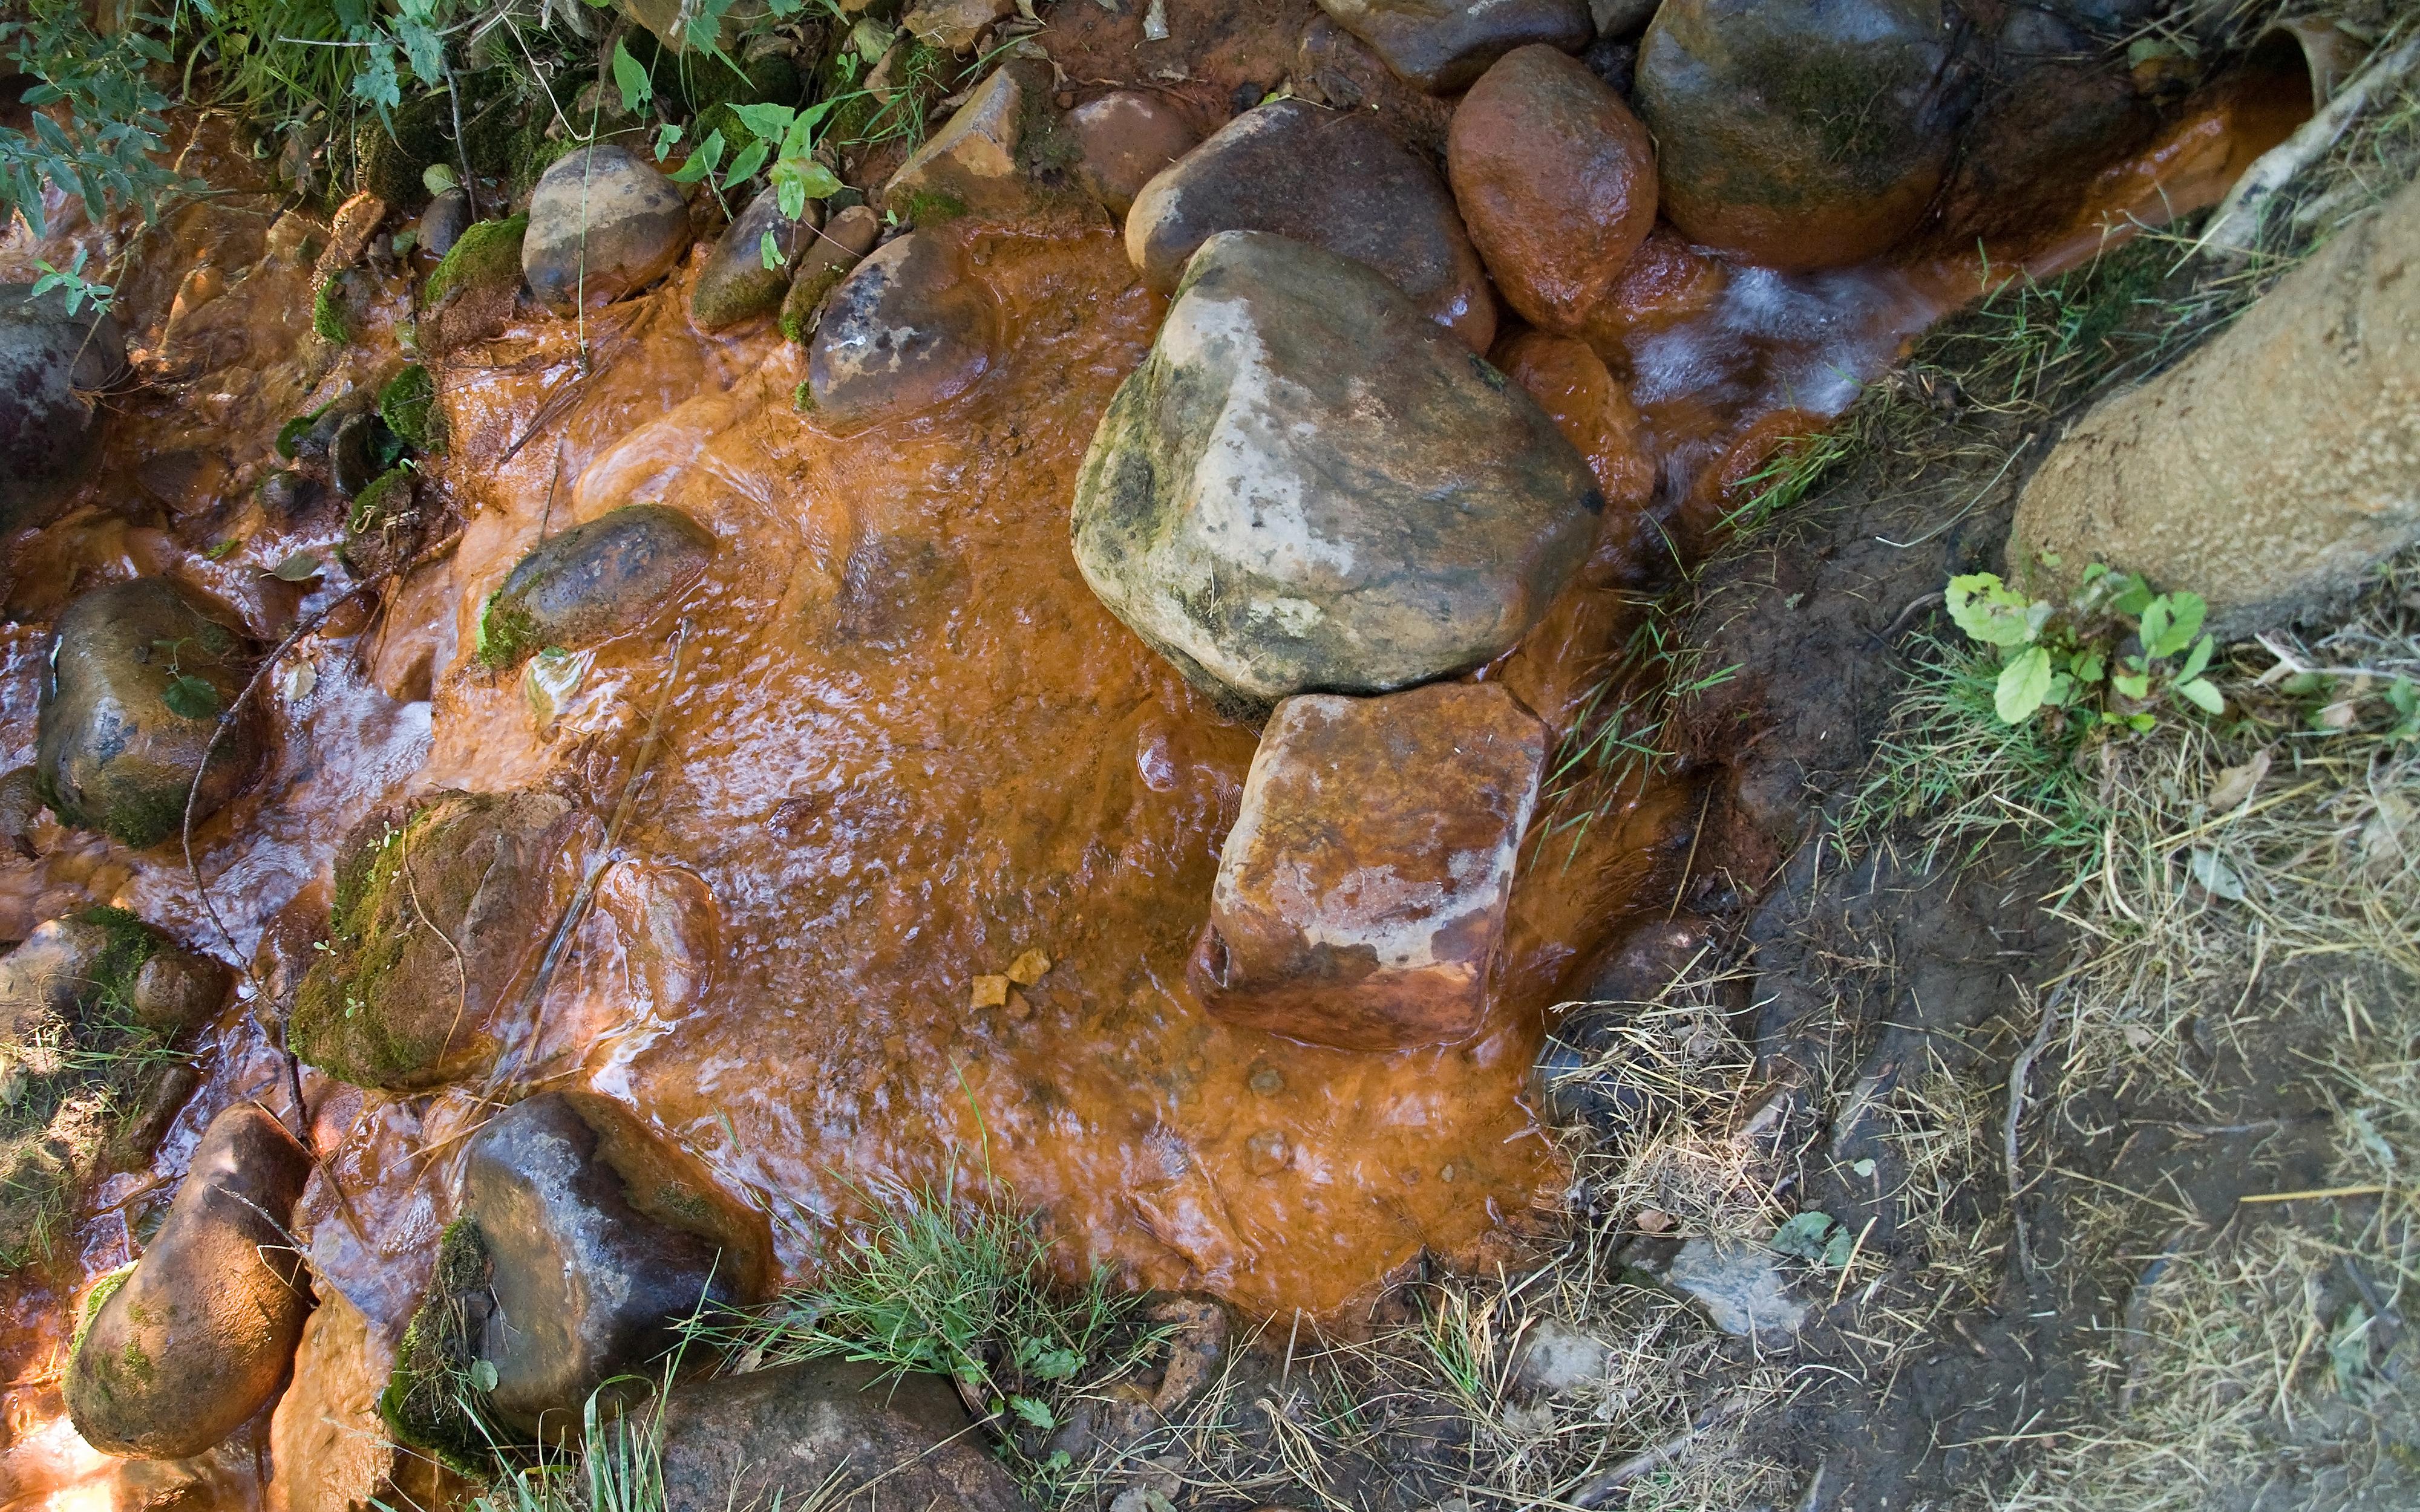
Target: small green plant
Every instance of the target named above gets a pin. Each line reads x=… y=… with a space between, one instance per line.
x=97 y=128
x=189 y=697
x=80 y=289
x=2065 y=664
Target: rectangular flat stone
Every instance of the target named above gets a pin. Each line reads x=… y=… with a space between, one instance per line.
x=1361 y=894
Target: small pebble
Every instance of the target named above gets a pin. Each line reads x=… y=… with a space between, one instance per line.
x=990 y=992
x=1029 y=969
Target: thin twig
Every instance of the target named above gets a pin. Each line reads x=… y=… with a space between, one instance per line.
x=2017 y=1073
x=1655 y=1457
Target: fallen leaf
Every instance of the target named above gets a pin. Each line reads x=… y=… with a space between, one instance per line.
x=990 y=992
x=297 y=681
x=2216 y=877
x=1653 y=1221
x=2236 y=784
x=1029 y=969
x=299 y=568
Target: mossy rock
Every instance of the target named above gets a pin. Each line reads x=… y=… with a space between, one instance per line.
x=408 y=404
x=607 y=577
x=489 y=257
x=426 y=1402
x=382 y=529
x=390 y=156
x=416 y=962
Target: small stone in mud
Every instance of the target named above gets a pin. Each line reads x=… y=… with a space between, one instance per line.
x=1801 y=133
x=1376 y=505
x=984 y=158
x=1028 y=967
x=139 y=673
x=602 y=224
x=1427 y=792
x=1740 y=1288
x=987 y=990
x=197 y=1337
x=1126 y=138
x=829 y=255
x=737 y=282
x=593 y=1254
x=608 y=577
x=416 y=961
x=1336 y=181
x=1556 y=179
x=46 y=427
x=1442 y=45
x=909 y=330
x=737 y=1441
x=441 y=225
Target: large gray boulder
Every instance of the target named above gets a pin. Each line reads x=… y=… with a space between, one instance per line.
x=198 y=1338
x=1335 y=179
x=1801 y=133
x=602 y=224
x=46 y=427
x=139 y=675
x=738 y=1440
x=1308 y=486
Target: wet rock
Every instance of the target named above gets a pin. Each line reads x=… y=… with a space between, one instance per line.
x=736 y=1440
x=198 y=1338
x=106 y=957
x=1442 y=45
x=390 y=1003
x=608 y=577
x=1592 y=410
x=1665 y=282
x=1126 y=138
x=1798 y=133
x=1647 y=961
x=909 y=330
x=441 y=225
x=472 y=291
x=1620 y=19
x=382 y=529
x=1361 y=893
x=139 y=675
x=988 y=157
x=734 y=285
x=1201 y=1333
x=288 y=494
x=46 y=429
x=1740 y=1288
x=329 y=1451
x=602 y=224
x=831 y=255
x=1556 y=179
x=1336 y=181
x=953 y=25
x=1306 y=486
x=592 y=1258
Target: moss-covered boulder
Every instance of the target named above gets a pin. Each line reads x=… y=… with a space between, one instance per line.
x=738 y=283
x=139 y=673
x=608 y=577
x=91 y=1008
x=408 y=404
x=390 y=156
x=383 y=527
x=198 y=1338
x=437 y=915
x=429 y=1400
x=470 y=292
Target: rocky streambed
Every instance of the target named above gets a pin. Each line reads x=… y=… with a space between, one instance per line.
x=576 y=735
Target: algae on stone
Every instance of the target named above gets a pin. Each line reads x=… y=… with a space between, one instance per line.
x=408 y=404
x=425 y=1404
x=489 y=254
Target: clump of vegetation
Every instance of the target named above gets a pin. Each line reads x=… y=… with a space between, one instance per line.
x=330 y=320
x=488 y=255
x=107 y=148
x=408 y=404
x=432 y=1399
x=2066 y=663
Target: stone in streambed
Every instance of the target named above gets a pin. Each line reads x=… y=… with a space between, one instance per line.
x=1361 y=893
x=1801 y=133
x=389 y=1003
x=909 y=330
x=1556 y=179
x=197 y=1338
x=1442 y=45
x=1665 y=282
x=1308 y=486
x=139 y=673
x=1335 y=181
x=1591 y=407
x=999 y=155
x=738 y=1440
x=830 y=256
x=735 y=284
x=608 y=577
x=441 y=225
x=47 y=429
x=598 y=1238
x=1741 y=1288
x=328 y=1450
x=1126 y=139
x=602 y=224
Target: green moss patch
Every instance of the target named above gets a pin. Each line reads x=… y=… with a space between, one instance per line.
x=408 y=404
x=505 y=636
x=330 y=320
x=431 y=1401
x=488 y=255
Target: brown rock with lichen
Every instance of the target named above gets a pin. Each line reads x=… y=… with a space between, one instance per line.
x=1361 y=894
x=1556 y=179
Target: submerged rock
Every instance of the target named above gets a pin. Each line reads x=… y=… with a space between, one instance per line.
x=1126 y=138
x=1335 y=181
x=1309 y=486
x=1363 y=890
x=735 y=284
x=602 y=224
x=909 y=330
x=831 y=255
x=1556 y=179
x=46 y=428
x=197 y=1338
x=1800 y=133
x=611 y=575
x=599 y=1239
x=390 y=1003
x=139 y=675
x=1591 y=407
x=327 y=1447
x=1442 y=45
x=737 y=1441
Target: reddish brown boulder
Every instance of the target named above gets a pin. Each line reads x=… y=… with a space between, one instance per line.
x=1665 y=282
x=1125 y=139
x=1556 y=179
x=1441 y=45
x=1361 y=894
x=1591 y=407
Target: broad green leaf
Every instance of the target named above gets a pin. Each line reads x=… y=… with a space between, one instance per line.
x=2217 y=878
x=2132 y=685
x=1033 y=1412
x=767 y=123
x=190 y=698
x=2088 y=666
x=2200 y=658
x=666 y=136
x=2133 y=595
x=1802 y=1237
x=1055 y=1365
x=301 y=567
x=2203 y=694
x=707 y=157
x=1988 y=609
x=797 y=181
x=423 y=48
x=768 y=248
x=2170 y=621
x=744 y=167
x=483 y=1375
x=437 y=178
x=2023 y=684
x=630 y=76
